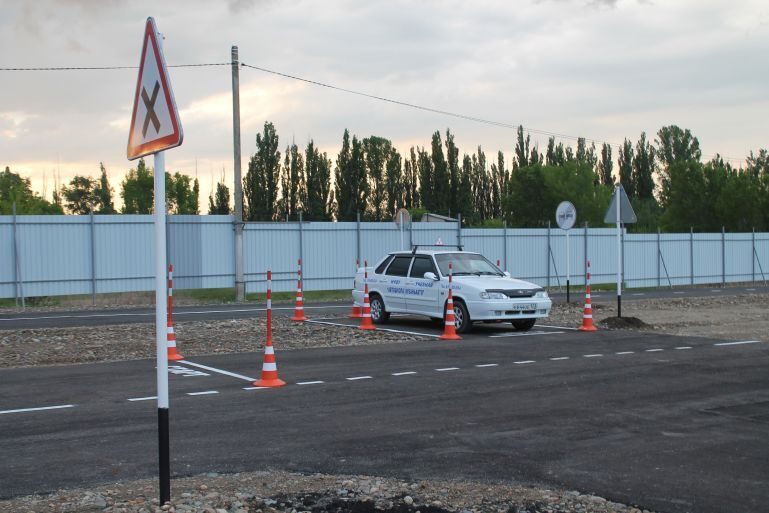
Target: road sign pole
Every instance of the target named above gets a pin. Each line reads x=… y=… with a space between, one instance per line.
x=619 y=257
x=240 y=286
x=568 y=269
x=160 y=327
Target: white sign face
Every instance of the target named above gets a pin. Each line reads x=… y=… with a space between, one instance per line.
x=155 y=124
x=565 y=215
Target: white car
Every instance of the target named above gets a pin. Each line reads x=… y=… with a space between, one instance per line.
x=416 y=282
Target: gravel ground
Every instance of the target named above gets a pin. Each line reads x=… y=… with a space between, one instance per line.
x=727 y=317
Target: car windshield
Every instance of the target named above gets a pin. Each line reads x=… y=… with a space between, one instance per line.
x=465 y=264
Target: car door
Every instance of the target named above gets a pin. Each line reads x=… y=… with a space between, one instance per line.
x=423 y=295
x=395 y=289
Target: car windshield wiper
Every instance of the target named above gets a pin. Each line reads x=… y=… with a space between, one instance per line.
x=461 y=273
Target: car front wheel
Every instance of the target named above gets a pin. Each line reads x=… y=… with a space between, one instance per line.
x=524 y=324
x=378 y=313
x=462 y=320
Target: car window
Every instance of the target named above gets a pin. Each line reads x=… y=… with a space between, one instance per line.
x=421 y=266
x=381 y=267
x=466 y=263
x=399 y=266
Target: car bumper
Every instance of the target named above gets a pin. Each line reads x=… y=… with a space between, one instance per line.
x=507 y=310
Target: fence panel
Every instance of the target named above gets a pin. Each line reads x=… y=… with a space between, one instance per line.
x=7 y=260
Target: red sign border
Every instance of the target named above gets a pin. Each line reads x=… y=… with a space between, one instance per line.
x=169 y=141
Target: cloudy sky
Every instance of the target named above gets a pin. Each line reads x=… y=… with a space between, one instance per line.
x=602 y=69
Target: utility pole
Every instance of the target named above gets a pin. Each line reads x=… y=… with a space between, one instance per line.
x=240 y=288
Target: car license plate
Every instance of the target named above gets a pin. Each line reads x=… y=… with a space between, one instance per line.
x=525 y=306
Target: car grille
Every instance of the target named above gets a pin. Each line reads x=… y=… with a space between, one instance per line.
x=516 y=293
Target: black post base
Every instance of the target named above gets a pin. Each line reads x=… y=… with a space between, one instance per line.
x=619 y=305
x=164 y=456
x=568 y=296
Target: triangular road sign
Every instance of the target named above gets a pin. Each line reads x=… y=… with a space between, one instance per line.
x=155 y=124
x=626 y=214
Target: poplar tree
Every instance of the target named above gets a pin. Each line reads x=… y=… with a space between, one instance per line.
x=316 y=201
x=104 y=192
x=411 y=180
x=219 y=201
x=441 y=186
x=351 y=183
x=606 y=165
x=452 y=160
x=394 y=182
x=260 y=185
x=643 y=168
x=625 y=167
x=376 y=151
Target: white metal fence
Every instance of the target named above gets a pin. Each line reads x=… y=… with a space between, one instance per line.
x=65 y=255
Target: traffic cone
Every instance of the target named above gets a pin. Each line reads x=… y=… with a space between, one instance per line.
x=355 y=313
x=587 y=316
x=299 y=310
x=366 y=323
x=269 y=366
x=449 y=325
x=173 y=354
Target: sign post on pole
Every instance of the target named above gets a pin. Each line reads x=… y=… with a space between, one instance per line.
x=155 y=127
x=402 y=216
x=566 y=216
x=619 y=211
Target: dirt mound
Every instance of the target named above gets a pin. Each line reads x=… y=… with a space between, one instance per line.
x=625 y=323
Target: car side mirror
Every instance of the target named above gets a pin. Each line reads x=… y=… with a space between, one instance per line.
x=507 y=273
x=430 y=276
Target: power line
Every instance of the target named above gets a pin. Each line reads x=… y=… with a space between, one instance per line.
x=99 y=68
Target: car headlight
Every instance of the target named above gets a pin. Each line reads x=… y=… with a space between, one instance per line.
x=492 y=295
x=541 y=294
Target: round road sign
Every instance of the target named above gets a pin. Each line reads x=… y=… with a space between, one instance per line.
x=565 y=215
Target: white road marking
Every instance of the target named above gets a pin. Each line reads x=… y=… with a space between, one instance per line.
x=356 y=378
x=152 y=314
x=654 y=350
x=310 y=382
x=715 y=290
x=207 y=392
x=529 y=334
x=626 y=352
x=447 y=369
x=592 y=355
x=559 y=358
x=392 y=330
x=750 y=290
x=595 y=295
x=679 y=292
x=220 y=371
x=557 y=327
x=150 y=398
x=524 y=362
x=256 y=388
x=742 y=342
x=487 y=365
x=638 y=294
x=404 y=373
x=23 y=410
x=683 y=347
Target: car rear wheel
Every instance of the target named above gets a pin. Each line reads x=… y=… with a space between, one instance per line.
x=462 y=321
x=378 y=313
x=524 y=324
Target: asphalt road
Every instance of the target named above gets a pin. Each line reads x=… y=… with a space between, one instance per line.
x=59 y=319
x=668 y=423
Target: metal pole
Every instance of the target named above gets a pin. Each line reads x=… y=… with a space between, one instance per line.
x=240 y=286
x=401 y=227
x=301 y=247
x=659 y=253
x=619 y=255
x=753 y=254
x=357 y=235
x=411 y=233
x=93 y=260
x=17 y=263
x=691 y=256
x=723 y=256
x=504 y=244
x=568 y=268
x=459 y=230
x=548 y=254
x=161 y=311
x=585 y=250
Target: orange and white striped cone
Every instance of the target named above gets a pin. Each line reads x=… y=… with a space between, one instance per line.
x=450 y=323
x=587 y=316
x=173 y=354
x=356 y=310
x=269 y=366
x=365 y=323
x=299 y=310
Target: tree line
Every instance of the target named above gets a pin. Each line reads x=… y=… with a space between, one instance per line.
x=669 y=185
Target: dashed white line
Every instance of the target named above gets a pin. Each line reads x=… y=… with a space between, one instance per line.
x=750 y=290
x=524 y=362
x=310 y=382
x=447 y=369
x=741 y=342
x=487 y=365
x=592 y=355
x=406 y=373
x=256 y=388
x=559 y=358
x=558 y=327
x=715 y=290
x=625 y=352
x=356 y=378
x=529 y=334
x=23 y=410
x=149 y=398
x=220 y=371
x=638 y=294
x=207 y=392
x=680 y=348
x=679 y=292
x=656 y=350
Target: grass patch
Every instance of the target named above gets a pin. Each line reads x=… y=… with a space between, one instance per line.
x=225 y=295
x=312 y=295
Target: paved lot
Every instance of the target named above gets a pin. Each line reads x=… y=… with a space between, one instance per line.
x=670 y=423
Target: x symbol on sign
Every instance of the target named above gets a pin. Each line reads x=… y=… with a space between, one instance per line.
x=150 y=104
